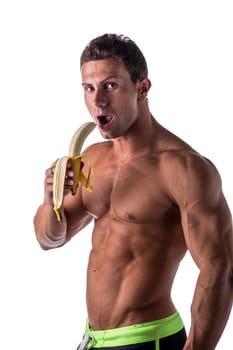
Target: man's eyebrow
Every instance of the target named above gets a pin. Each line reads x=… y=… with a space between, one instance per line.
x=104 y=80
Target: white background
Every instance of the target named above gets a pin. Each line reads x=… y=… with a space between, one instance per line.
x=188 y=46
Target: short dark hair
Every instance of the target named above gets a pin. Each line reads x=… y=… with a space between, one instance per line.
x=118 y=47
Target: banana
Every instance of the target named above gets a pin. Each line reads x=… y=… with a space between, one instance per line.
x=75 y=158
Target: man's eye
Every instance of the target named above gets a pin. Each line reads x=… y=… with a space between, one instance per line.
x=110 y=86
x=88 y=88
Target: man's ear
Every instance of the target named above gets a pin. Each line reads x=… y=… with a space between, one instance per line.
x=143 y=89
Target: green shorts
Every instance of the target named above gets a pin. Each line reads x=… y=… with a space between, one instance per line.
x=142 y=333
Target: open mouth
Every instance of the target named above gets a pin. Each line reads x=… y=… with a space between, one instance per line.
x=104 y=119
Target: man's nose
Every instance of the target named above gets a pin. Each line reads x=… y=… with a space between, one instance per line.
x=100 y=98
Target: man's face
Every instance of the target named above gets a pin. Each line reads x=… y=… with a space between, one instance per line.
x=110 y=96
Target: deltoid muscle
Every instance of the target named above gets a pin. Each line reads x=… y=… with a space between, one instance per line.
x=75 y=158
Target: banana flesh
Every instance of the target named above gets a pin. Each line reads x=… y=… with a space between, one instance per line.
x=76 y=159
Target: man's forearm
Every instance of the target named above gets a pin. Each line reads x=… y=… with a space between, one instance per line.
x=49 y=232
x=210 y=311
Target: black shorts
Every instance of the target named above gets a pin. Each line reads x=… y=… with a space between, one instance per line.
x=165 y=334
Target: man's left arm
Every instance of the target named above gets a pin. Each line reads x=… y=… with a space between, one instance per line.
x=207 y=226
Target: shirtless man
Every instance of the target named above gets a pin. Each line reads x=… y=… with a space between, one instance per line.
x=154 y=197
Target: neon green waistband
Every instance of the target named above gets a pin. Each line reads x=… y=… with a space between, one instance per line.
x=135 y=334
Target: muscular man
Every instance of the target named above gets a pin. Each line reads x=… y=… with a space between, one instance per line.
x=154 y=197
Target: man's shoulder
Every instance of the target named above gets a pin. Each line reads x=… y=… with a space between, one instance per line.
x=187 y=163
x=187 y=175
x=100 y=151
x=99 y=147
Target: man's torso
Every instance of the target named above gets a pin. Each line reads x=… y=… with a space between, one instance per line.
x=137 y=241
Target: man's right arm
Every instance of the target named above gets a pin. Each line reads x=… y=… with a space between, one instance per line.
x=49 y=231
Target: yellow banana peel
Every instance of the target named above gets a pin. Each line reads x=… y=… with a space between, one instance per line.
x=76 y=159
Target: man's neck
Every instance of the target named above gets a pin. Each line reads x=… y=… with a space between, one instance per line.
x=138 y=140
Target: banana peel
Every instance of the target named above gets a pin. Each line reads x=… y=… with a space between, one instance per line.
x=76 y=159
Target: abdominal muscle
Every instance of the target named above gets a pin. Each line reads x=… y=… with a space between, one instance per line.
x=130 y=273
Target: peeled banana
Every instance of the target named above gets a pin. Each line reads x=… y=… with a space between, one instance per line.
x=76 y=159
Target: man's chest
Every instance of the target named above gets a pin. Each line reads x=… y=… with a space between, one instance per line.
x=134 y=192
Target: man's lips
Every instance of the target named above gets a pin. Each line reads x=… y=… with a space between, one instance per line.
x=104 y=119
